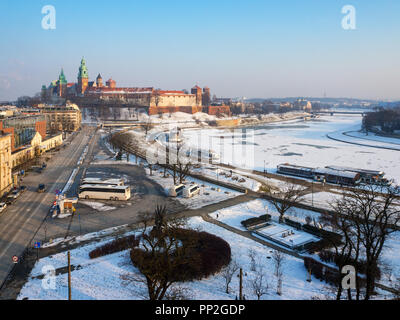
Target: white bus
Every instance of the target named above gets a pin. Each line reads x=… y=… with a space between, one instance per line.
x=98 y=181
x=176 y=191
x=191 y=191
x=104 y=192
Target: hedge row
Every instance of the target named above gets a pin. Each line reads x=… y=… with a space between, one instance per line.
x=322 y=272
x=117 y=245
x=325 y=273
x=293 y=224
x=256 y=221
x=360 y=265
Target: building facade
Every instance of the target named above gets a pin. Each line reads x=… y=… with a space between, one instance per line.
x=35 y=148
x=23 y=129
x=5 y=164
x=61 y=118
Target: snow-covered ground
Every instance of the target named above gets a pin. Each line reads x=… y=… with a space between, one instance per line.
x=98 y=206
x=101 y=278
x=297 y=142
x=233 y=216
x=225 y=175
x=373 y=137
x=323 y=200
x=354 y=136
x=209 y=193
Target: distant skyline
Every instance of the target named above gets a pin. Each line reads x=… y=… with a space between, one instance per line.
x=253 y=49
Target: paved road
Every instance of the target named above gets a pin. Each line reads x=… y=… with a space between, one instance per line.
x=21 y=220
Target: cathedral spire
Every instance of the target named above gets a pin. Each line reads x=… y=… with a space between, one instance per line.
x=83 y=72
x=61 y=78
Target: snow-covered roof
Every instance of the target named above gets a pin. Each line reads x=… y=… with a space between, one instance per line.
x=326 y=171
x=362 y=171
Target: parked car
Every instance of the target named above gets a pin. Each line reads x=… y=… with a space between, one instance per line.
x=10 y=200
x=22 y=189
x=3 y=206
x=15 y=193
x=41 y=188
x=37 y=169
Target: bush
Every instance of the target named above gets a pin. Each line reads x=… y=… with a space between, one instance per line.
x=327 y=256
x=205 y=255
x=117 y=245
x=256 y=221
x=292 y=223
x=322 y=272
x=325 y=273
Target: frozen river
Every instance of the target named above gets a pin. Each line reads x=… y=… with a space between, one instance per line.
x=302 y=143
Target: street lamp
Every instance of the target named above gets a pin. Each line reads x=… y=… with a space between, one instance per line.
x=312 y=193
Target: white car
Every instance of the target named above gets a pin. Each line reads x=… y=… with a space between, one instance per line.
x=3 y=206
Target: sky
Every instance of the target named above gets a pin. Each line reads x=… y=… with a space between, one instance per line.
x=252 y=48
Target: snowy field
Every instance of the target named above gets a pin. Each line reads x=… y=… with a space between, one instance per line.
x=209 y=193
x=101 y=278
x=233 y=216
x=225 y=176
x=297 y=142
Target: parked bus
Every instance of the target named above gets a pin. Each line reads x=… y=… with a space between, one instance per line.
x=104 y=192
x=191 y=191
x=176 y=191
x=98 y=181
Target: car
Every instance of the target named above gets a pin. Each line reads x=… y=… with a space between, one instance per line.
x=15 y=193
x=22 y=189
x=10 y=200
x=3 y=206
x=41 y=188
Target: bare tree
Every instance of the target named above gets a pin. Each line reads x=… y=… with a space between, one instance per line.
x=178 y=292
x=180 y=164
x=286 y=199
x=148 y=126
x=259 y=284
x=366 y=217
x=252 y=255
x=228 y=272
x=279 y=261
x=161 y=254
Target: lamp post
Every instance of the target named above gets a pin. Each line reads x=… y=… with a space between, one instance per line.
x=312 y=193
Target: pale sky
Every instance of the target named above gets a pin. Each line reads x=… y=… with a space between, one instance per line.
x=253 y=48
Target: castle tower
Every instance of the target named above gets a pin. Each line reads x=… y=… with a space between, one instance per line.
x=83 y=77
x=197 y=91
x=111 y=83
x=62 y=85
x=206 y=96
x=99 y=81
x=43 y=93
